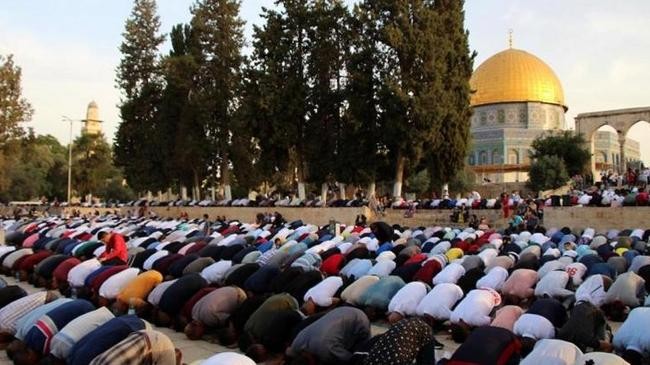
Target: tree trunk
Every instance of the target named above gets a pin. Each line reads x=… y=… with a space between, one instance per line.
x=371 y=189
x=399 y=176
x=323 y=194
x=225 y=178
x=301 y=191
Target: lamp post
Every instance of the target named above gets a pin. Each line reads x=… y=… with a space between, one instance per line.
x=67 y=119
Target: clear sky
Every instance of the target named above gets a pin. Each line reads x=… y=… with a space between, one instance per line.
x=68 y=50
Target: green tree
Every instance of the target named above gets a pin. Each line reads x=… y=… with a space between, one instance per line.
x=547 y=172
x=448 y=150
x=570 y=147
x=411 y=79
x=329 y=37
x=14 y=108
x=279 y=71
x=36 y=168
x=364 y=145
x=219 y=33
x=418 y=183
x=179 y=126
x=139 y=79
x=92 y=164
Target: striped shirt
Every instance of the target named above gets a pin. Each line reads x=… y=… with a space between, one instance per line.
x=10 y=314
x=69 y=335
x=141 y=347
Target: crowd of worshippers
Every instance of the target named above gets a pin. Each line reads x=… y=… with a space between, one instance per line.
x=297 y=293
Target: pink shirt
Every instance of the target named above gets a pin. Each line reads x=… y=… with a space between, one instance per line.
x=520 y=283
x=507 y=316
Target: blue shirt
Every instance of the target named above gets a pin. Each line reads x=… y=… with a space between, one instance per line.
x=103 y=338
x=47 y=326
x=26 y=322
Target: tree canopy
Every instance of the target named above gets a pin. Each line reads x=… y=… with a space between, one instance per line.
x=568 y=146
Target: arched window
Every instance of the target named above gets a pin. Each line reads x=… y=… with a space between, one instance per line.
x=496 y=157
x=483 y=158
x=471 y=159
x=513 y=157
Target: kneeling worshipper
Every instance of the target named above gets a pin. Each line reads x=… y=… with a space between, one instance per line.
x=11 y=293
x=116 y=252
x=27 y=322
x=38 y=339
x=173 y=299
x=14 y=311
x=632 y=337
x=377 y=297
x=141 y=347
x=628 y=288
x=553 y=352
x=44 y=271
x=586 y=328
x=473 y=311
x=332 y=339
x=75 y=330
x=540 y=321
x=405 y=302
x=406 y=341
x=113 y=285
x=134 y=293
x=261 y=326
x=104 y=337
x=594 y=290
x=321 y=296
x=518 y=288
x=213 y=310
x=506 y=317
x=488 y=345
x=436 y=306
x=352 y=293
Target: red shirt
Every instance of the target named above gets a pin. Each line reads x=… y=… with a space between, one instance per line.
x=116 y=248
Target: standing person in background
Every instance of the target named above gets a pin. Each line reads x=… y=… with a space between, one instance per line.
x=505 y=205
x=116 y=252
x=207 y=225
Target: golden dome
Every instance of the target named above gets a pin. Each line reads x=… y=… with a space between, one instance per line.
x=514 y=75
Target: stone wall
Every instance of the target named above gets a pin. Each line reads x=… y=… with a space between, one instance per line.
x=575 y=217
x=320 y=216
x=599 y=218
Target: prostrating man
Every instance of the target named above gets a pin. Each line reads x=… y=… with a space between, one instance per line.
x=39 y=337
x=332 y=338
x=135 y=293
x=104 y=337
x=116 y=252
x=213 y=310
x=173 y=299
x=141 y=347
x=406 y=341
x=632 y=339
x=74 y=331
x=14 y=311
x=473 y=311
x=488 y=345
x=586 y=328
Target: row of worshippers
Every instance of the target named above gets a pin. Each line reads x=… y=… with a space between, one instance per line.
x=380 y=269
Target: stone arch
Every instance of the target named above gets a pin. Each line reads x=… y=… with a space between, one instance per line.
x=621 y=120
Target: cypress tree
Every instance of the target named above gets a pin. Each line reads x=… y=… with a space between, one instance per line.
x=449 y=150
x=138 y=78
x=219 y=32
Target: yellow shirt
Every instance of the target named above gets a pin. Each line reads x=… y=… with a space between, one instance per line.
x=141 y=286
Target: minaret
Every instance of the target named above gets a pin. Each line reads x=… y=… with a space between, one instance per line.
x=92 y=124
